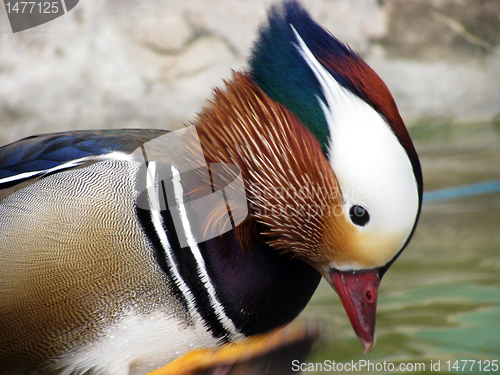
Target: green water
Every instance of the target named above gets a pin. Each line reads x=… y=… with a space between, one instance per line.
x=440 y=302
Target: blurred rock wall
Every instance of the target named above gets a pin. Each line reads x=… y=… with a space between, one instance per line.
x=125 y=63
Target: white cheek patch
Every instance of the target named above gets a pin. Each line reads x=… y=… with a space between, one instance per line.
x=371 y=166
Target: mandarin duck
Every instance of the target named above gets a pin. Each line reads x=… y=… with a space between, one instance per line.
x=120 y=252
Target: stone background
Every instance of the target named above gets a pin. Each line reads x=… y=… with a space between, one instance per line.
x=125 y=63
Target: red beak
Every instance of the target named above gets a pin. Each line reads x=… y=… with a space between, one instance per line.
x=358 y=291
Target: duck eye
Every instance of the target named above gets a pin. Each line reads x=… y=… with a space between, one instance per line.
x=359 y=215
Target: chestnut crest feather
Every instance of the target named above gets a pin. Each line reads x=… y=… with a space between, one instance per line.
x=289 y=182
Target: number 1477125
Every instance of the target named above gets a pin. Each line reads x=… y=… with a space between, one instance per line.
x=472 y=365
x=37 y=7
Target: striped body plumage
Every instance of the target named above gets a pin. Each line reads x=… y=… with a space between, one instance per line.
x=97 y=276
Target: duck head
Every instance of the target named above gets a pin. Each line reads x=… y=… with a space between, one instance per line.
x=330 y=170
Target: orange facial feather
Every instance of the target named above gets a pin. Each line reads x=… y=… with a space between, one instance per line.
x=290 y=185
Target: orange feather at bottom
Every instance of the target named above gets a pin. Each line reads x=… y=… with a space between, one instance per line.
x=270 y=353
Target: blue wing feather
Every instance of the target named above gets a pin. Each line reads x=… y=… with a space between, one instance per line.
x=42 y=152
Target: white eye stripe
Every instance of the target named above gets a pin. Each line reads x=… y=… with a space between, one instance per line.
x=371 y=166
x=333 y=92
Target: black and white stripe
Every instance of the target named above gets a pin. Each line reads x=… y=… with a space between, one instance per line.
x=185 y=265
